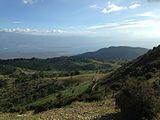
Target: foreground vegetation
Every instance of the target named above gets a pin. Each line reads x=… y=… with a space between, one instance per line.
x=39 y=94
x=26 y=84
x=132 y=89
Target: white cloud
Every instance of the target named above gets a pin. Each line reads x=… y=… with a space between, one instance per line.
x=17 y=30
x=112 y=8
x=133 y=6
x=31 y=1
x=33 y=31
x=95 y=6
x=147 y=14
x=17 y=22
x=125 y=25
x=148 y=29
x=57 y=32
x=54 y=31
x=28 y=1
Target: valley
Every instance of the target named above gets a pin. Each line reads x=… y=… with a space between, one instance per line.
x=79 y=60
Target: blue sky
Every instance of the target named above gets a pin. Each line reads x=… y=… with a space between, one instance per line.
x=73 y=14
x=135 y=21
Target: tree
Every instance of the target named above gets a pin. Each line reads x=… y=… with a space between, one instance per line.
x=138 y=101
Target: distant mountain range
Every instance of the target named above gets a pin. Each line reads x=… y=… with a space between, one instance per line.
x=110 y=53
x=115 y=53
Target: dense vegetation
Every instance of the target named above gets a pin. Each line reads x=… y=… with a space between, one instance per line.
x=23 y=86
x=136 y=100
x=61 y=64
x=42 y=84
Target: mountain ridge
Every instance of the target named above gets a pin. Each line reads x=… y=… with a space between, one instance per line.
x=115 y=53
x=145 y=68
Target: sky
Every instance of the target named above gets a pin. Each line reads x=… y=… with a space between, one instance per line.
x=111 y=22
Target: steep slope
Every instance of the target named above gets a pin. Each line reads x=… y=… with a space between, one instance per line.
x=145 y=68
x=115 y=53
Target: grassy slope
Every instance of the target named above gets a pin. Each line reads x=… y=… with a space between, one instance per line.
x=75 y=111
x=85 y=82
x=30 y=87
x=33 y=92
x=21 y=82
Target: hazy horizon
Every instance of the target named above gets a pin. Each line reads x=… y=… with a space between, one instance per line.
x=68 y=27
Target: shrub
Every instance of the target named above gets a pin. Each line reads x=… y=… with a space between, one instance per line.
x=21 y=78
x=148 y=75
x=137 y=101
x=116 y=86
x=58 y=103
x=95 y=96
x=9 y=107
x=3 y=83
x=35 y=76
x=40 y=108
x=21 y=109
x=43 y=107
x=63 y=101
x=6 y=69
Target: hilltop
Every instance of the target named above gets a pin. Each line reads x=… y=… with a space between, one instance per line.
x=115 y=53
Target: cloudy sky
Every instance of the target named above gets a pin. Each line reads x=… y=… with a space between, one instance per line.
x=135 y=22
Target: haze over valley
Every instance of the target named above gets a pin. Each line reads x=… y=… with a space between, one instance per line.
x=79 y=60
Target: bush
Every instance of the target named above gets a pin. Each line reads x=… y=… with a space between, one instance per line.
x=64 y=101
x=35 y=76
x=6 y=69
x=148 y=75
x=91 y=97
x=58 y=103
x=137 y=101
x=9 y=107
x=3 y=83
x=41 y=108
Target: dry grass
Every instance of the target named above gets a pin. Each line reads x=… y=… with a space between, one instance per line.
x=75 y=111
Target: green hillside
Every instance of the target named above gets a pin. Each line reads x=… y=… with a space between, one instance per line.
x=27 y=84
x=144 y=68
x=31 y=91
x=59 y=64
